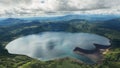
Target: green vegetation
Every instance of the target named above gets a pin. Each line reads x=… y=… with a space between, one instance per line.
x=9 y=33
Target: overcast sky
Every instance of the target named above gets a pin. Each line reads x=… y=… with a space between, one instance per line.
x=58 y=7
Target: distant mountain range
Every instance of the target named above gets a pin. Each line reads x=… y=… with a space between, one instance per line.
x=11 y=21
x=78 y=18
x=70 y=17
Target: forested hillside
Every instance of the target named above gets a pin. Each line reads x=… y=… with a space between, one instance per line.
x=109 y=29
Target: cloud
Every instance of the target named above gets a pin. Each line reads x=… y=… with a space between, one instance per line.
x=53 y=45
x=41 y=7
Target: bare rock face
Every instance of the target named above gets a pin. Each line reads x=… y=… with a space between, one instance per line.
x=96 y=55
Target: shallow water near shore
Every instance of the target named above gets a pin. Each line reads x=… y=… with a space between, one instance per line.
x=55 y=45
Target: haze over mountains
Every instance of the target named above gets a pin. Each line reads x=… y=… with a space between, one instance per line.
x=13 y=28
x=85 y=18
x=50 y=23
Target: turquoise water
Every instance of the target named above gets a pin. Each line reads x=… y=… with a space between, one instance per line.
x=54 y=45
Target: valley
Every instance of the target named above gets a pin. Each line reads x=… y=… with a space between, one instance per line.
x=108 y=28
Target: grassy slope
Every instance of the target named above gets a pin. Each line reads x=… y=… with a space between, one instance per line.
x=112 y=59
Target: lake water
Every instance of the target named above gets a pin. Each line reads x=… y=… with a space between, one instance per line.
x=54 y=45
